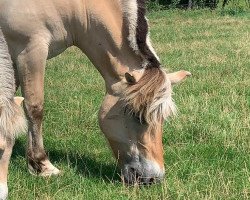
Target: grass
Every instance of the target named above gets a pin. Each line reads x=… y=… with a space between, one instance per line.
x=207 y=146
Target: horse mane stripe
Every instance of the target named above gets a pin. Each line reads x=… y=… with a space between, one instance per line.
x=138 y=31
x=142 y=36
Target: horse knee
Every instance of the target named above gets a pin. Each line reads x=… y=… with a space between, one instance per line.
x=34 y=111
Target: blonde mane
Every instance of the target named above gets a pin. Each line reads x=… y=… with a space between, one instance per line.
x=151 y=97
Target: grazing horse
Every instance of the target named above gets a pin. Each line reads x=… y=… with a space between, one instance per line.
x=115 y=37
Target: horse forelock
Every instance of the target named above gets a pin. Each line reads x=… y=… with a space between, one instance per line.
x=138 y=31
x=151 y=97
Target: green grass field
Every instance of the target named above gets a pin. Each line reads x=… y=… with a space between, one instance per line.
x=207 y=146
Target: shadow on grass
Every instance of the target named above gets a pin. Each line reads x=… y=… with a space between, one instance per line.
x=85 y=166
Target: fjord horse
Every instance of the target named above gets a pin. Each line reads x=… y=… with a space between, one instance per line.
x=114 y=35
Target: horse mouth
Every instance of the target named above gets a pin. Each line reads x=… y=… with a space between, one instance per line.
x=135 y=177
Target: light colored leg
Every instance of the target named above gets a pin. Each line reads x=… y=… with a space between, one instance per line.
x=6 y=146
x=31 y=68
x=3 y=191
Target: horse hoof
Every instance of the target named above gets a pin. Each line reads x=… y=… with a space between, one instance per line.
x=47 y=169
x=50 y=172
x=3 y=191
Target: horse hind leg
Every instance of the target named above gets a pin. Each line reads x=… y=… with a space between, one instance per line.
x=31 y=68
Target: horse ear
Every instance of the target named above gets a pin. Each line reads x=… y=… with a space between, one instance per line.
x=18 y=100
x=130 y=78
x=176 y=77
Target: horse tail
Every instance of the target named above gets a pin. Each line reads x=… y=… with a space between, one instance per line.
x=12 y=120
x=150 y=98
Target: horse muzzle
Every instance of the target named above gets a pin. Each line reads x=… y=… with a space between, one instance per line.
x=142 y=173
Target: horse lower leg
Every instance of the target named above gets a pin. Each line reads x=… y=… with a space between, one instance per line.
x=38 y=162
x=37 y=159
x=35 y=154
x=6 y=146
x=31 y=68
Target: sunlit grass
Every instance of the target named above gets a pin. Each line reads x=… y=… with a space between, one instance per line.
x=207 y=146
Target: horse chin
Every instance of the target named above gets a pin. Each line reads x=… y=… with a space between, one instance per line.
x=145 y=172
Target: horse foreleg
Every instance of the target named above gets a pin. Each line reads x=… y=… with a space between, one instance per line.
x=6 y=146
x=31 y=69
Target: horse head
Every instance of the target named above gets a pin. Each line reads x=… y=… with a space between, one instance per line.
x=133 y=123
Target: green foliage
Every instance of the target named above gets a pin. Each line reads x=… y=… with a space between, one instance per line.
x=236 y=7
x=154 y=6
x=183 y=3
x=233 y=11
x=232 y=5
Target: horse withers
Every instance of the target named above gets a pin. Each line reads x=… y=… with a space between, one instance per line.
x=114 y=35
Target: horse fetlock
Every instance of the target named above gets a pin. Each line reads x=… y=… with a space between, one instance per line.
x=45 y=169
x=41 y=166
x=35 y=160
x=3 y=191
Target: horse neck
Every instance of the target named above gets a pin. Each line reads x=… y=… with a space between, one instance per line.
x=103 y=38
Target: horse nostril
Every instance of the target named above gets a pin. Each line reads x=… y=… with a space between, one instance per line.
x=135 y=175
x=151 y=180
x=132 y=170
x=147 y=181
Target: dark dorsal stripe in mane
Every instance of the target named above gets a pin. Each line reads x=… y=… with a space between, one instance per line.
x=141 y=36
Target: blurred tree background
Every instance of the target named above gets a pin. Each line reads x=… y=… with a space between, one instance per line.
x=230 y=5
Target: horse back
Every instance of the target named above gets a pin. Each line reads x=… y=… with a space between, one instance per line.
x=23 y=21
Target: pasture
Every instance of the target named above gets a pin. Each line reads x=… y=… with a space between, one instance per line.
x=207 y=146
